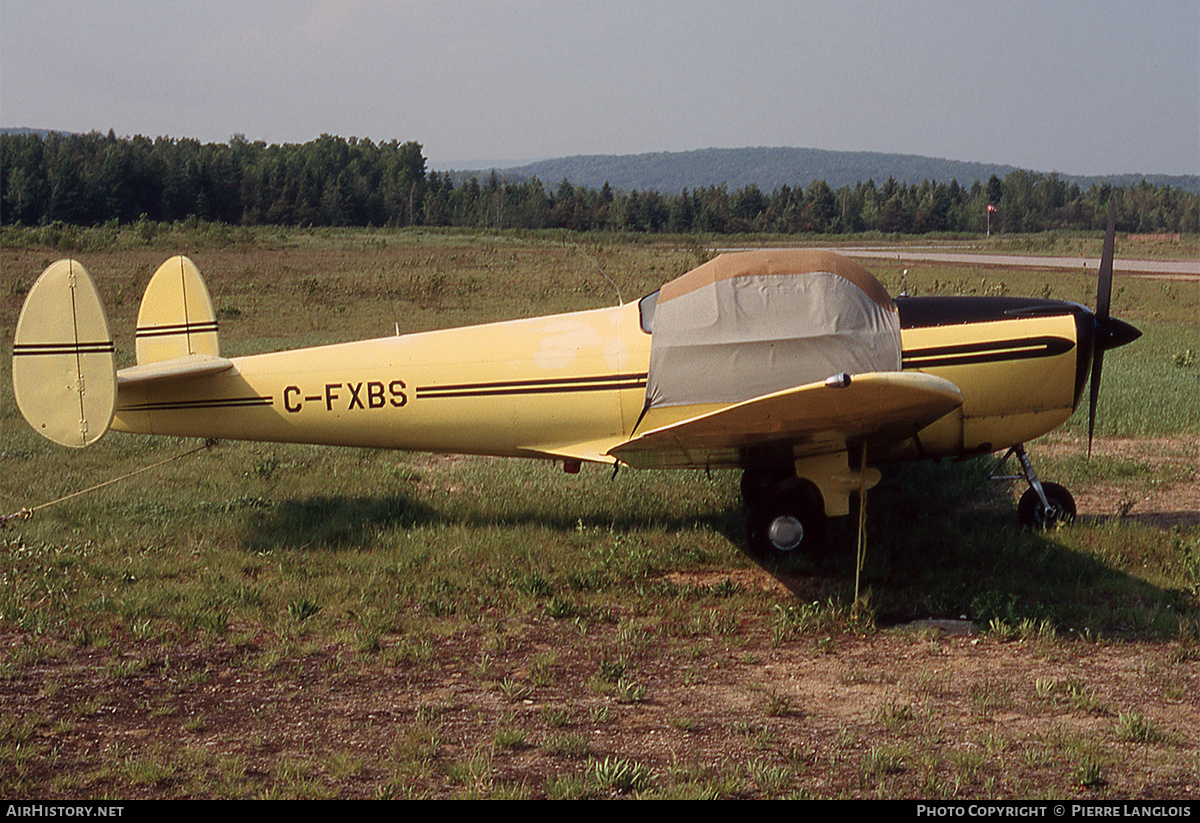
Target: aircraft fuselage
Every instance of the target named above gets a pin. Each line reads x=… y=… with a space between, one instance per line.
x=542 y=386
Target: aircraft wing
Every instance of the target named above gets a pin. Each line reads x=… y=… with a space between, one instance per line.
x=818 y=418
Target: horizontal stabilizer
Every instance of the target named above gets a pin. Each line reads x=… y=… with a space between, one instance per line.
x=64 y=375
x=176 y=318
x=883 y=407
x=194 y=365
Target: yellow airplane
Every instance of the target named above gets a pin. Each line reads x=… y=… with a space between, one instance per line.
x=795 y=366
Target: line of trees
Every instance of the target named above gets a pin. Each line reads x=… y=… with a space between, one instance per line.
x=91 y=179
x=333 y=181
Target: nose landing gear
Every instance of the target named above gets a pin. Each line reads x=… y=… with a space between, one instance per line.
x=1044 y=505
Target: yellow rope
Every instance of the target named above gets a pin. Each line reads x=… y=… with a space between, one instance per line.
x=860 y=560
x=26 y=514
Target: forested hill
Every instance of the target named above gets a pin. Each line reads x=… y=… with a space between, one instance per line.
x=95 y=179
x=772 y=168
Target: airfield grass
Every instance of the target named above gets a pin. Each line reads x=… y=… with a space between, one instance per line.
x=267 y=620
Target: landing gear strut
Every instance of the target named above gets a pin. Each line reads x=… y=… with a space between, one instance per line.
x=1044 y=505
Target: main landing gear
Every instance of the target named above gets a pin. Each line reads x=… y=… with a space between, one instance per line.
x=785 y=514
x=1044 y=505
x=789 y=501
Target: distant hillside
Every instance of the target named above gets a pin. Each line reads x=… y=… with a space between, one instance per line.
x=772 y=168
x=38 y=132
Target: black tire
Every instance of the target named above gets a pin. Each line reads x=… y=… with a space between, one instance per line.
x=1031 y=512
x=787 y=522
x=761 y=483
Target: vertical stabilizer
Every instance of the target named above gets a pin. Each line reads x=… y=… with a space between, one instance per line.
x=176 y=318
x=64 y=376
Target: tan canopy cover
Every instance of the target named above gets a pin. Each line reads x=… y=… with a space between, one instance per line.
x=748 y=324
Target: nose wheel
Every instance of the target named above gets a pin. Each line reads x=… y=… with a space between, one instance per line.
x=1058 y=508
x=1044 y=505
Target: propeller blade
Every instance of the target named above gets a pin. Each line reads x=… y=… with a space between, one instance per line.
x=1097 y=367
x=1104 y=289
x=1103 y=298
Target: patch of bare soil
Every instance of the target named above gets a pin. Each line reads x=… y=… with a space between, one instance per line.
x=959 y=716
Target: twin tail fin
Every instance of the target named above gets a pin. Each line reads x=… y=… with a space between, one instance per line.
x=176 y=318
x=64 y=373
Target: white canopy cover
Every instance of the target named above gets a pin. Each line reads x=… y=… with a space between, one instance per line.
x=748 y=324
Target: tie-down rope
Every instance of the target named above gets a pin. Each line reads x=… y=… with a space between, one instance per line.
x=26 y=514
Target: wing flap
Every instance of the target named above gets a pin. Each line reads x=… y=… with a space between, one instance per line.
x=817 y=418
x=593 y=451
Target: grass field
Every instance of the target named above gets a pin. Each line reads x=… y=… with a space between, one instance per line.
x=262 y=620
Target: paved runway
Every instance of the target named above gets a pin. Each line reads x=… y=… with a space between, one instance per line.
x=1174 y=269
x=1167 y=269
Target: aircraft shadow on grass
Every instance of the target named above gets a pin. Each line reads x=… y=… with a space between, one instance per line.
x=337 y=522
x=958 y=555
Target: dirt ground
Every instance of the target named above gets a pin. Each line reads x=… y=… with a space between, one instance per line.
x=960 y=714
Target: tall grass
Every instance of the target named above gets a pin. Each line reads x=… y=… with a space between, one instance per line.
x=1150 y=387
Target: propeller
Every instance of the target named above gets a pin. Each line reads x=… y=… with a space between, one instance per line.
x=1110 y=332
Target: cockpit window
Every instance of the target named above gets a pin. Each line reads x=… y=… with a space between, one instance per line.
x=646 y=308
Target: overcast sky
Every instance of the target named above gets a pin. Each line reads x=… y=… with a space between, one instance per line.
x=1075 y=87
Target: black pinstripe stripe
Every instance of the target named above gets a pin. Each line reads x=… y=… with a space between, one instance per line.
x=99 y=347
x=206 y=403
x=177 y=328
x=526 y=387
x=998 y=351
